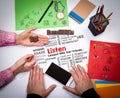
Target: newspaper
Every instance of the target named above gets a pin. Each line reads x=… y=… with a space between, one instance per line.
x=64 y=50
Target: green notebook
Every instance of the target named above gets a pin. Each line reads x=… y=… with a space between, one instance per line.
x=29 y=12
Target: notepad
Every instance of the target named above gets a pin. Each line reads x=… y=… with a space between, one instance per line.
x=81 y=11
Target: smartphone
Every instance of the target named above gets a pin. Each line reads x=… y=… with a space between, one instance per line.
x=59 y=74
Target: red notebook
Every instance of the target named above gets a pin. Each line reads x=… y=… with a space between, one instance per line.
x=104 y=61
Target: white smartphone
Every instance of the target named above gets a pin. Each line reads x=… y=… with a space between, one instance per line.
x=59 y=74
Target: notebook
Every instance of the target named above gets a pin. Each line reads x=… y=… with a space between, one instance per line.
x=81 y=11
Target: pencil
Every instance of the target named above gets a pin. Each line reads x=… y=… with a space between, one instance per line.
x=109 y=15
x=96 y=14
x=105 y=19
x=45 y=11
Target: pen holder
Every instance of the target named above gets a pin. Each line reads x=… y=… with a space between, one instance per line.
x=98 y=24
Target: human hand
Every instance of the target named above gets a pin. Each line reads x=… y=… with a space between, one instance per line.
x=25 y=63
x=36 y=83
x=24 y=38
x=82 y=81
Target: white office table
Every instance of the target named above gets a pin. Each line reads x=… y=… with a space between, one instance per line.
x=10 y=54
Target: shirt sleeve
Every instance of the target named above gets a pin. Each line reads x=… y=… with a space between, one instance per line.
x=33 y=96
x=91 y=93
x=6 y=76
x=7 y=38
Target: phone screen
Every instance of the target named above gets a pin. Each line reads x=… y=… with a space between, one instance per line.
x=58 y=73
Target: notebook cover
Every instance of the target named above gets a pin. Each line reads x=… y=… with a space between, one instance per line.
x=81 y=11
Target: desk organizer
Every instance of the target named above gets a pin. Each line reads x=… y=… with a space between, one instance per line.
x=95 y=21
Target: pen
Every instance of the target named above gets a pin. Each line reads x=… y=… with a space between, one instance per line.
x=45 y=11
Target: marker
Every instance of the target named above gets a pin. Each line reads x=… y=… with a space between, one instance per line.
x=45 y=12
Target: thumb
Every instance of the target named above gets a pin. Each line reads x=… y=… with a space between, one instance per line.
x=31 y=29
x=50 y=89
x=72 y=90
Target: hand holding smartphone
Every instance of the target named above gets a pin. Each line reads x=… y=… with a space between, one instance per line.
x=59 y=74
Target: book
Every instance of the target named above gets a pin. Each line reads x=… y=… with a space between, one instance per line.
x=81 y=11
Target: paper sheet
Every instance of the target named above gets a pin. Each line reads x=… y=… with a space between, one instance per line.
x=104 y=61
x=28 y=13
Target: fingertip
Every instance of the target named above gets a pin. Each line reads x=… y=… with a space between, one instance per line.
x=37 y=66
x=53 y=87
x=79 y=66
x=64 y=87
x=83 y=69
x=34 y=58
x=71 y=71
x=34 y=28
x=41 y=70
x=28 y=55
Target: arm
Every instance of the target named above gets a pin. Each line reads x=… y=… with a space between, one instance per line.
x=83 y=86
x=6 y=76
x=7 y=38
x=91 y=93
x=33 y=96
x=11 y=38
x=36 y=84
x=23 y=64
x=84 y=95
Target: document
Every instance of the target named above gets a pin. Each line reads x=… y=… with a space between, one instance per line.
x=64 y=50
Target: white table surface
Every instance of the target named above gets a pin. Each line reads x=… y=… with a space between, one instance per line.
x=9 y=54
